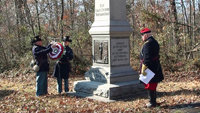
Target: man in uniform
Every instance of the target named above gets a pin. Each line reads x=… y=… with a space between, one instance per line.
x=63 y=66
x=40 y=55
x=149 y=56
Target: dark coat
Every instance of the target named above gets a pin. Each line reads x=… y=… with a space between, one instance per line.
x=149 y=56
x=40 y=55
x=63 y=66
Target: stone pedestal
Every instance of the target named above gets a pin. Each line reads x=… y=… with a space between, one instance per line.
x=108 y=91
x=111 y=75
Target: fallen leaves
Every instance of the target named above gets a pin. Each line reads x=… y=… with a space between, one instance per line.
x=17 y=94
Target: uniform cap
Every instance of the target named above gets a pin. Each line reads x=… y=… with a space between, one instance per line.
x=67 y=38
x=145 y=30
x=35 y=39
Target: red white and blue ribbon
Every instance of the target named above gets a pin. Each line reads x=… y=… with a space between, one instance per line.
x=57 y=51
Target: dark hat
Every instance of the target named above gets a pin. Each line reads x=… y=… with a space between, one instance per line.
x=67 y=38
x=36 y=38
x=145 y=30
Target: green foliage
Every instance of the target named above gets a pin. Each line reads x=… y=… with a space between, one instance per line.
x=80 y=65
x=81 y=46
x=149 y=16
x=195 y=64
x=142 y=14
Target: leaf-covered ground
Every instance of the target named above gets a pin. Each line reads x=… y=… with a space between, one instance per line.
x=179 y=93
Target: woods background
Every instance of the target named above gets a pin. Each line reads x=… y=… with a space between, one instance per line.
x=174 y=23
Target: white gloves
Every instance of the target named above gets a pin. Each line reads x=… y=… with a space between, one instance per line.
x=53 y=44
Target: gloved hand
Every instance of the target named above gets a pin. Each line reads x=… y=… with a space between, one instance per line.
x=52 y=42
x=143 y=70
x=57 y=61
x=53 y=45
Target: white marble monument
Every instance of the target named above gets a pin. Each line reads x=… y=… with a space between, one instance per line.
x=111 y=75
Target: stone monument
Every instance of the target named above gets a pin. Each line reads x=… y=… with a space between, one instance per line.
x=111 y=75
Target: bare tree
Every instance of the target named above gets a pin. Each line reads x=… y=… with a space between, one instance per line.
x=62 y=14
x=199 y=5
x=8 y=21
x=4 y=54
x=38 y=16
x=133 y=18
x=72 y=6
x=55 y=28
x=176 y=30
x=175 y=27
x=86 y=13
x=184 y=17
x=152 y=2
x=194 y=21
x=19 y=19
x=29 y=17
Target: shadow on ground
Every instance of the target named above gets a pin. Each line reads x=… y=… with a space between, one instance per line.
x=144 y=94
x=4 y=93
x=179 y=92
x=184 y=108
x=192 y=105
x=60 y=95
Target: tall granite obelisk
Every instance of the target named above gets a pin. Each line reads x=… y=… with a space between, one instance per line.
x=111 y=75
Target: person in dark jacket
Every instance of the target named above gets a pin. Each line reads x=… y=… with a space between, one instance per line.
x=63 y=66
x=40 y=55
x=149 y=56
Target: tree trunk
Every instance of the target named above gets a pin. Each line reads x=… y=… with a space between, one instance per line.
x=72 y=13
x=184 y=31
x=190 y=32
x=55 y=28
x=153 y=3
x=38 y=16
x=17 y=10
x=194 y=22
x=8 y=21
x=29 y=17
x=20 y=4
x=62 y=14
x=4 y=54
x=175 y=28
x=86 y=13
x=199 y=5
x=133 y=19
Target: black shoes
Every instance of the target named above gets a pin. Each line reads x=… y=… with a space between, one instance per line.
x=152 y=99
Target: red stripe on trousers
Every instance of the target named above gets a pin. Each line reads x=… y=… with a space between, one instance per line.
x=151 y=86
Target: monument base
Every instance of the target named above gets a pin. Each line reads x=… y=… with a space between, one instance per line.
x=111 y=75
x=108 y=91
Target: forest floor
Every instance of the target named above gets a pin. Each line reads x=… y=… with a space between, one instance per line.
x=178 y=93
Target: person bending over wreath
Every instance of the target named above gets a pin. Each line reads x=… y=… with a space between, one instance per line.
x=40 y=55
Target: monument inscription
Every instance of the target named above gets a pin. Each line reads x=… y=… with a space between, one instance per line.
x=120 y=51
x=102 y=11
